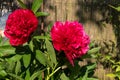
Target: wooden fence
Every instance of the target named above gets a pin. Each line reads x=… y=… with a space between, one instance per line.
x=79 y=10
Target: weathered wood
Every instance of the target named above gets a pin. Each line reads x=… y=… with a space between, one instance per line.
x=71 y=10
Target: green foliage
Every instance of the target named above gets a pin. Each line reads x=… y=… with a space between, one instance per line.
x=26 y=59
x=2 y=73
x=116 y=70
x=38 y=57
x=116 y=8
x=36 y=74
x=15 y=76
x=41 y=57
x=18 y=67
x=93 y=52
x=27 y=77
x=36 y=5
x=5 y=49
x=41 y=14
x=51 y=52
x=22 y=4
x=64 y=77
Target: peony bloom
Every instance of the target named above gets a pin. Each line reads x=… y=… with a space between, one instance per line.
x=71 y=38
x=19 y=25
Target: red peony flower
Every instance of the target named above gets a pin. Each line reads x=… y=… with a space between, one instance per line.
x=71 y=38
x=20 y=24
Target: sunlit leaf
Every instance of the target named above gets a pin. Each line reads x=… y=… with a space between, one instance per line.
x=15 y=76
x=41 y=57
x=94 y=50
x=2 y=73
x=15 y=58
x=41 y=14
x=40 y=37
x=64 y=77
x=22 y=4
x=51 y=51
x=31 y=45
x=92 y=79
x=111 y=75
x=116 y=8
x=36 y=5
x=36 y=74
x=18 y=67
x=6 y=50
x=91 y=44
x=26 y=59
x=91 y=66
x=27 y=77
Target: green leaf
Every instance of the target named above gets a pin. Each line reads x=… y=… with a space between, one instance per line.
x=22 y=4
x=41 y=14
x=10 y=66
x=40 y=77
x=116 y=8
x=64 y=77
x=118 y=63
x=49 y=27
x=94 y=50
x=36 y=74
x=91 y=66
x=6 y=47
x=117 y=74
x=51 y=51
x=80 y=78
x=31 y=45
x=41 y=57
x=92 y=79
x=27 y=77
x=85 y=76
x=5 y=42
x=111 y=75
x=15 y=58
x=74 y=71
x=36 y=5
x=49 y=63
x=118 y=68
x=1 y=39
x=3 y=73
x=40 y=37
x=26 y=59
x=15 y=76
x=91 y=44
x=18 y=67
x=6 y=50
x=87 y=70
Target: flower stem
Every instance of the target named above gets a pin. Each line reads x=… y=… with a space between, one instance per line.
x=48 y=77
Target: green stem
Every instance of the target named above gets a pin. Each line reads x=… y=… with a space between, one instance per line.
x=54 y=71
x=48 y=77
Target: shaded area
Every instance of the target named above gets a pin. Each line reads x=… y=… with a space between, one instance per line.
x=100 y=12
x=89 y=8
